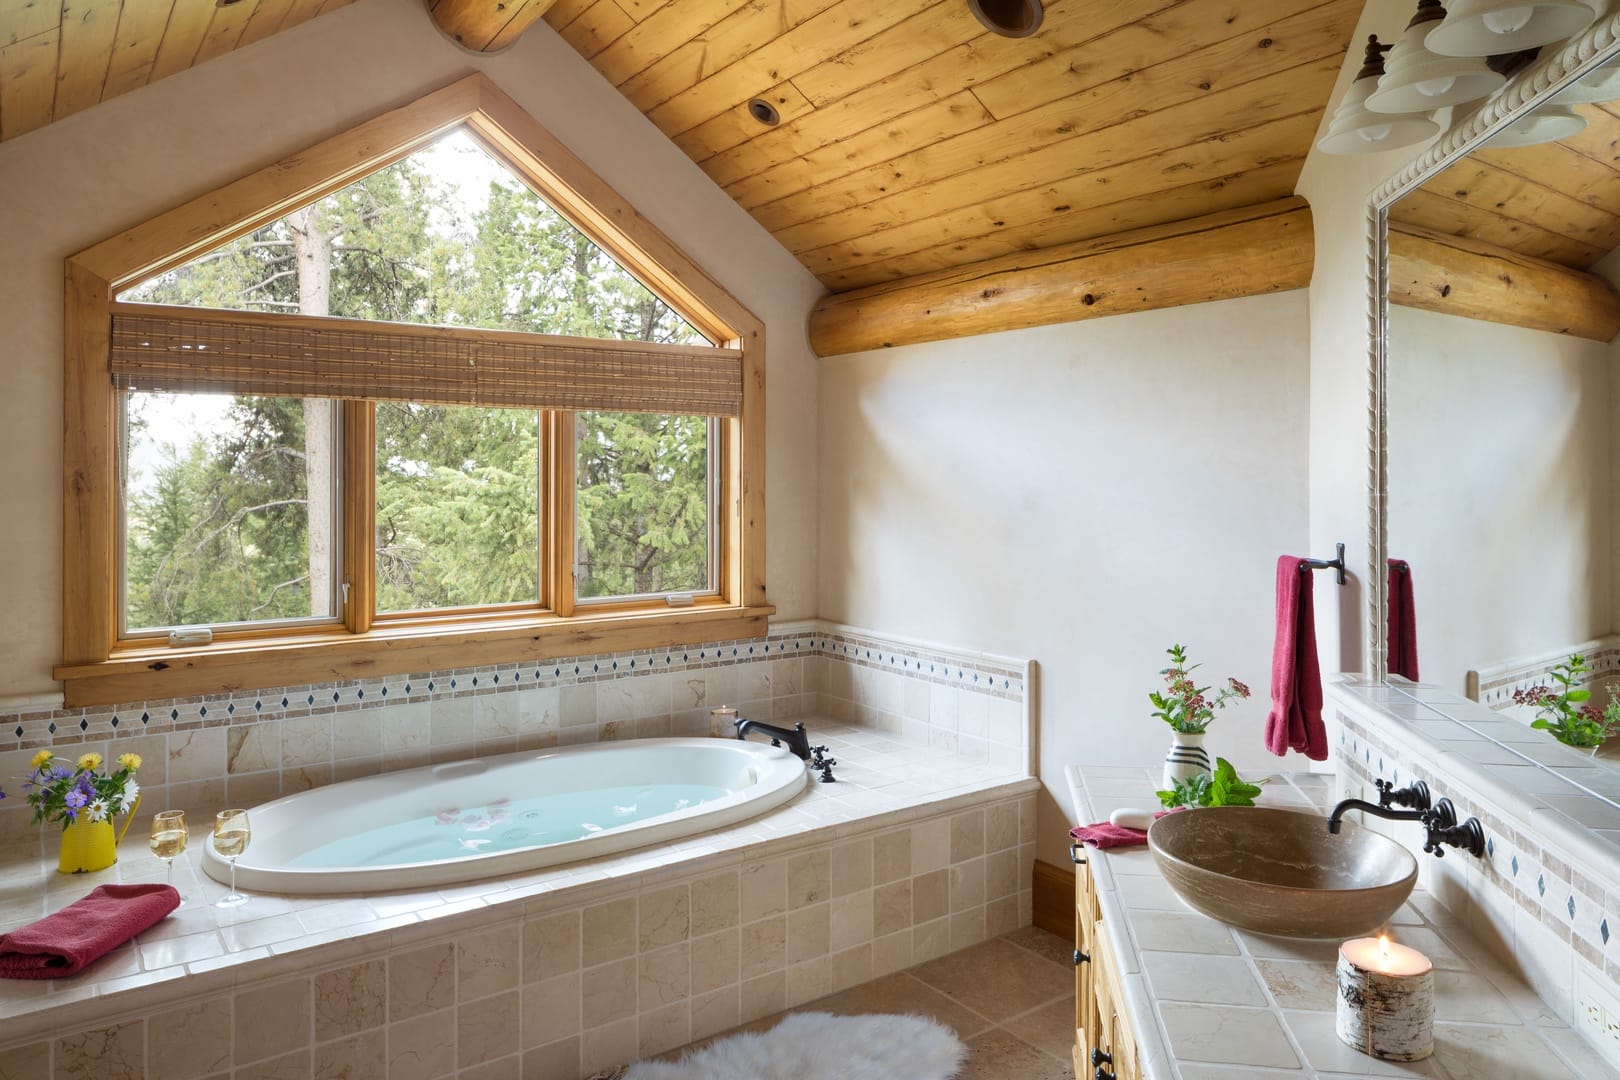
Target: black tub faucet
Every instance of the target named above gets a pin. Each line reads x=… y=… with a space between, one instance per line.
x=798 y=740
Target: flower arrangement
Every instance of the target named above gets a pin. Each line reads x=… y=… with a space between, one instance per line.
x=1185 y=705
x=1567 y=712
x=64 y=795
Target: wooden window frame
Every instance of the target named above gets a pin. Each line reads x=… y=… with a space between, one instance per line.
x=98 y=668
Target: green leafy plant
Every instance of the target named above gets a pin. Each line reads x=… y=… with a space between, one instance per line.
x=1185 y=705
x=1567 y=712
x=1222 y=788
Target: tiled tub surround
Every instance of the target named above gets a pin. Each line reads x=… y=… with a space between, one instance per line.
x=205 y=753
x=1546 y=898
x=1209 y=1001
x=913 y=854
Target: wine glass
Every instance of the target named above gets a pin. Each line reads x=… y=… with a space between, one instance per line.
x=168 y=839
x=231 y=835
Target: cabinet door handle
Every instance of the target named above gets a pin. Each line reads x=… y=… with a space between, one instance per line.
x=1099 y=1058
x=1102 y=1074
x=1081 y=958
x=1075 y=856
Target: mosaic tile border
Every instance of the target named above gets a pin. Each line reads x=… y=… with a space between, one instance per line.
x=1523 y=872
x=1494 y=686
x=30 y=729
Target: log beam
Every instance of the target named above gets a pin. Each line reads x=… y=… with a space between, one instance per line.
x=1256 y=249
x=1455 y=275
x=486 y=25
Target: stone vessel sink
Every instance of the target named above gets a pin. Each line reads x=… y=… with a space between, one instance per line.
x=1281 y=872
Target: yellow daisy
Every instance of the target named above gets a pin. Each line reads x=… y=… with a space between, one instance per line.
x=40 y=758
x=90 y=761
x=129 y=761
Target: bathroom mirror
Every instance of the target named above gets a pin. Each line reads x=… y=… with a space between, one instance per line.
x=1499 y=388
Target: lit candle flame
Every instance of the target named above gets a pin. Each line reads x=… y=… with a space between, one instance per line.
x=1383 y=943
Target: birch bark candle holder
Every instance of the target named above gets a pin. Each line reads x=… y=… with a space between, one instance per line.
x=1386 y=999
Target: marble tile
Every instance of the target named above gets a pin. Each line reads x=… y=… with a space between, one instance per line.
x=554 y=1061
x=891 y=856
x=764 y=947
x=1301 y=984
x=487 y=1029
x=966 y=885
x=967 y=836
x=664 y=1029
x=1177 y=932
x=1326 y=1052
x=930 y=896
x=665 y=977
x=33 y=1062
x=1228 y=1035
x=350 y=999
x=609 y=931
x=551 y=1010
x=191 y=1041
x=1289 y=948
x=996 y=979
x=1463 y=995
x=999 y=1055
x=608 y=1046
x=715 y=1012
x=1049 y=1028
x=361 y=1057
x=716 y=961
x=763 y=889
x=272 y=1020
x=665 y=917
x=608 y=993
x=891 y=907
x=809 y=879
x=1213 y=980
x=488 y=963
x=551 y=946
x=715 y=903
x=1044 y=943
x=423 y=1047
x=930 y=847
x=851 y=867
x=808 y=933
x=293 y=1066
x=421 y=980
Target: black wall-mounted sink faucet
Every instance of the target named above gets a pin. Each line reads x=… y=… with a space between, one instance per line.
x=1440 y=825
x=797 y=740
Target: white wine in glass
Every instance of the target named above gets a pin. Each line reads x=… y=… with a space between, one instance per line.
x=231 y=836
x=168 y=839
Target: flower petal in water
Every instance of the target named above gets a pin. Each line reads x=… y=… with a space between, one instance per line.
x=588 y=827
x=472 y=845
x=624 y=811
x=682 y=804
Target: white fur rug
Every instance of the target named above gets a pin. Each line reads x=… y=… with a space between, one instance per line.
x=821 y=1046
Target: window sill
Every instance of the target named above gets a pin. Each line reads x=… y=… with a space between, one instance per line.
x=147 y=672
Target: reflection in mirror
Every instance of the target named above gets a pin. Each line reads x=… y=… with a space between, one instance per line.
x=1503 y=384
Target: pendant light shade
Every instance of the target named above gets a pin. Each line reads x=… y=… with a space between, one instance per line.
x=1547 y=124
x=1603 y=84
x=1417 y=80
x=1357 y=130
x=1494 y=27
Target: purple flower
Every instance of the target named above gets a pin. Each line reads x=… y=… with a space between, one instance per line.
x=75 y=798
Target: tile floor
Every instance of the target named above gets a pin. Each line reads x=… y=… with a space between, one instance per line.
x=1010 y=999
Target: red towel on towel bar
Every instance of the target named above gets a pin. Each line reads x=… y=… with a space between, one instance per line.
x=1295 y=722
x=1403 y=655
x=66 y=942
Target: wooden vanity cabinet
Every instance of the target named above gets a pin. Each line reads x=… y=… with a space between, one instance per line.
x=1101 y=1023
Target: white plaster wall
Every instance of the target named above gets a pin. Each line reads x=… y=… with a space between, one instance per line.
x=73 y=183
x=1337 y=189
x=1500 y=488
x=1085 y=494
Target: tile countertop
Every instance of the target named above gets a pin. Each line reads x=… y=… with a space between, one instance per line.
x=1210 y=1001
x=883 y=781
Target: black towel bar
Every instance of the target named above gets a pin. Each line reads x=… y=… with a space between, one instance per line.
x=1323 y=564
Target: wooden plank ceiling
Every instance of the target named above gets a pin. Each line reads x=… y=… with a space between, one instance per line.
x=1556 y=201
x=60 y=56
x=913 y=140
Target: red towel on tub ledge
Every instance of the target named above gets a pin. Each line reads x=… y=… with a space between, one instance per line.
x=66 y=942
x=1295 y=722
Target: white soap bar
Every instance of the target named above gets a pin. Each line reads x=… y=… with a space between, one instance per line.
x=1131 y=819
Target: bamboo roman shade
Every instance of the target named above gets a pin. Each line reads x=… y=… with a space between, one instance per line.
x=158 y=347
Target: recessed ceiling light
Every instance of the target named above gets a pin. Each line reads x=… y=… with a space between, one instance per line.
x=1009 y=18
x=764 y=112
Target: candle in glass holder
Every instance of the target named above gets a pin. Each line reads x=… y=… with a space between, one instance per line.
x=723 y=722
x=1386 y=999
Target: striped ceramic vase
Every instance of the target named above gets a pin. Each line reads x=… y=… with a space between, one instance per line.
x=1187 y=757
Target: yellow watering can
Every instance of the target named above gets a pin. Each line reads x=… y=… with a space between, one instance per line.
x=92 y=845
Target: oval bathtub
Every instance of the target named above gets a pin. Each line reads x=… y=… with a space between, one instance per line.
x=484 y=817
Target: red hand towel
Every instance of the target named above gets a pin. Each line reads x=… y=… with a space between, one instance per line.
x=1295 y=722
x=64 y=943
x=1105 y=834
x=1403 y=655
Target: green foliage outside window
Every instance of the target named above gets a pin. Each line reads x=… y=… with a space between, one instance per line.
x=233 y=520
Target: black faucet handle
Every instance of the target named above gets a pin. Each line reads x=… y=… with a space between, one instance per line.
x=1414 y=795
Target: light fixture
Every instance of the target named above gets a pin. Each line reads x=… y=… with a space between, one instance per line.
x=1009 y=18
x=1357 y=130
x=1417 y=80
x=764 y=112
x=1599 y=84
x=1494 y=27
x=1547 y=124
